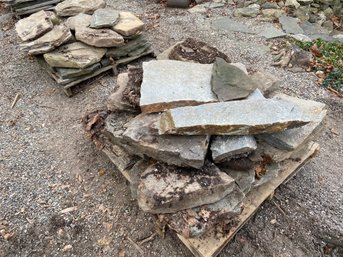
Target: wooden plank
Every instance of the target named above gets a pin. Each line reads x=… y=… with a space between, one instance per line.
x=211 y=245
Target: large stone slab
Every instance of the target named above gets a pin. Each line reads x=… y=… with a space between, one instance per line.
x=229 y=82
x=74 y=7
x=34 y=26
x=270 y=32
x=141 y=136
x=168 y=189
x=104 y=18
x=99 y=37
x=290 y=25
x=169 y=84
x=49 y=41
x=233 y=118
x=81 y=20
x=74 y=55
x=226 y=147
x=128 y=24
x=229 y=24
x=291 y=139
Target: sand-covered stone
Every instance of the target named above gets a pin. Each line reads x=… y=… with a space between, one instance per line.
x=168 y=189
x=74 y=55
x=169 y=84
x=74 y=7
x=104 y=18
x=243 y=117
x=34 y=26
x=49 y=41
x=99 y=37
x=128 y=24
x=81 y=20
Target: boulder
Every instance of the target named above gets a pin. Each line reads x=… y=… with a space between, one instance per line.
x=128 y=24
x=74 y=7
x=99 y=37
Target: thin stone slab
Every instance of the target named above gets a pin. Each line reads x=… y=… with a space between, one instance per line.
x=74 y=7
x=74 y=55
x=68 y=73
x=226 y=147
x=141 y=135
x=291 y=139
x=34 y=26
x=169 y=84
x=226 y=23
x=290 y=25
x=168 y=189
x=128 y=24
x=243 y=117
x=99 y=37
x=229 y=82
x=104 y=18
x=49 y=41
x=271 y=32
x=244 y=179
x=81 y=20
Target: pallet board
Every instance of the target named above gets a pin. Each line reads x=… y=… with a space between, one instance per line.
x=210 y=245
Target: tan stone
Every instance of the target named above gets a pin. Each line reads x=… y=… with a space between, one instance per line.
x=74 y=7
x=99 y=37
x=128 y=24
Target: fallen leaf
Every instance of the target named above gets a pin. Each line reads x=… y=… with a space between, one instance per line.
x=121 y=253
x=92 y=121
x=101 y=172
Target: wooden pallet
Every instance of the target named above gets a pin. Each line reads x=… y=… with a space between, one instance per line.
x=211 y=245
x=67 y=84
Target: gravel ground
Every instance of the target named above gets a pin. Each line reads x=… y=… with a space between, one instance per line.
x=47 y=165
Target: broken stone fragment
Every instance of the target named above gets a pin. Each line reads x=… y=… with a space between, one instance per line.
x=115 y=101
x=81 y=20
x=255 y=95
x=99 y=37
x=49 y=41
x=141 y=135
x=168 y=189
x=34 y=26
x=245 y=117
x=128 y=24
x=69 y=73
x=130 y=47
x=291 y=139
x=104 y=18
x=244 y=179
x=272 y=172
x=226 y=147
x=74 y=7
x=169 y=84
x=229 y=82
x=74 y=55
x=266 y=82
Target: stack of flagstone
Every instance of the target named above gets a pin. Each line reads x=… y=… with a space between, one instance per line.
x=25 y=7
x=194 y=139
x=81 y=38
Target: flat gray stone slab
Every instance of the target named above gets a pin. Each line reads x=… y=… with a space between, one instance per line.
x=290 y=25
x=291 y=139
x=244 y=179
x=169 y=84
x=34 y=26
x=49 y=41
x=68 y=73
x=228 y=24
x=74 y=7
x=81 y=20
x=168 y=189
x=142 y=137
x=99 y=37
x=74 y=55
x=271 y=32
x=243 y=117
x=104 y=18
x=226 y=147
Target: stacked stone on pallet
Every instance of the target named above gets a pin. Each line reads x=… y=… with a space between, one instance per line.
x=194 y=138
x=81 y=38
x=25 y=7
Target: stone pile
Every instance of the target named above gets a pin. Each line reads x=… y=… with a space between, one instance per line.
x=195 y=138
x=25 y=7
x=82 y=38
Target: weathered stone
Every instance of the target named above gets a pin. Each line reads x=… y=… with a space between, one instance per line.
x=272 y=172
x=34 y=26
x=233 y=118
x=291 y=139
x=68 y=73
x=81 y=20
x=198 y=9
x=271 y=32
x=226 y=147
x=240 y=66
x=272 y=14
x=74 y=55
x=269 y=5
x=290 y=25
x=229 y=82
x=74 y=7
x=168 y=189
x=128 y=24
x=178 y=3
x=104 y=18
x=292 y=3
x=169 y=84
x=302 y=13
x=213 y=5
x=99 y=37
x=247 y=12
x=115 y=101
x=266 y=82
x=49 y=41
x=244 y=179
x=229 y=24
x=130 y=47
x=141 y=135
x=257 y=94
x=301 y=37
